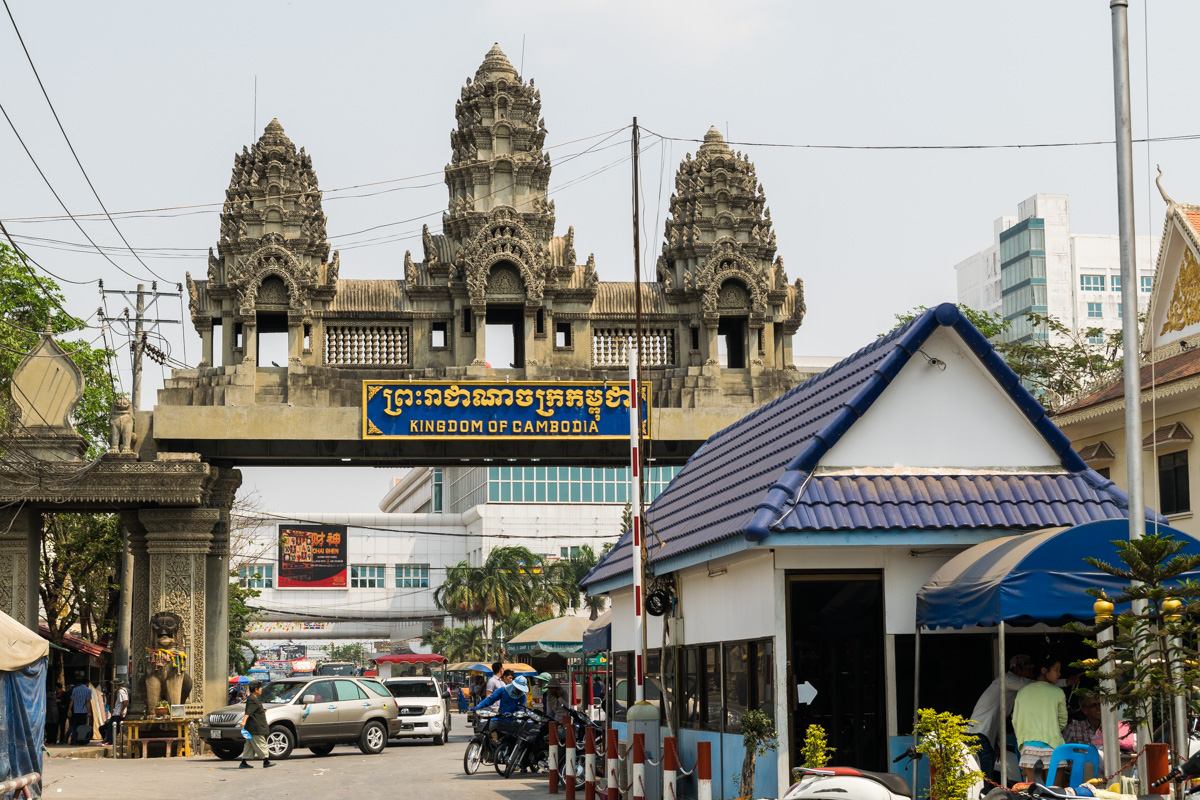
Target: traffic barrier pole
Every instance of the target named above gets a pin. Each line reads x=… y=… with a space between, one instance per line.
x=703 y=770
x=568 y=772
x=639 y=766
x=611 y=773
x=553 y=756
x=1158 y=764
x=670 y=765
x=589 y=765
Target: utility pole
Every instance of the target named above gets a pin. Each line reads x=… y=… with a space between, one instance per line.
x=1132 y=367
x=138 y=347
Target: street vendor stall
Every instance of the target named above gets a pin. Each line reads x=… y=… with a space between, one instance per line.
x=1029 y=579
x=22 y=699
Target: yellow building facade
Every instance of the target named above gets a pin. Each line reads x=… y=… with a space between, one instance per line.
x=1170 y=386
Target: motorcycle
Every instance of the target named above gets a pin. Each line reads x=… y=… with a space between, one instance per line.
x=524 y=744
x=481 y=749
x=857 y=783
x=582 y=723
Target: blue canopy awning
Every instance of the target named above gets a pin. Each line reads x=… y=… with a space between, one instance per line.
x=1038 y=577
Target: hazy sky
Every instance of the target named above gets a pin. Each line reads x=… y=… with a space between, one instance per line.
x=158 y=97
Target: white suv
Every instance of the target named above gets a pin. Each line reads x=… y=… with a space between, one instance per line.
x=423 y=709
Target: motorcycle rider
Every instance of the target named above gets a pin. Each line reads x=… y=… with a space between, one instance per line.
x=510 y=697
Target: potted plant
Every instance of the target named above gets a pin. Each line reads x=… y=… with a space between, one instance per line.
x=163 y=709
x=759 y=738
x=943 y=737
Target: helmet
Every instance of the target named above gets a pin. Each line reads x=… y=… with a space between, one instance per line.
x=521 y=683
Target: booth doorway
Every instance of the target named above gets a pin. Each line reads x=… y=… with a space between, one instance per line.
x=836 y=644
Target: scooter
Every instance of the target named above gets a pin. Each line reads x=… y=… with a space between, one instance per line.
x=861 y=784
x=858 y=784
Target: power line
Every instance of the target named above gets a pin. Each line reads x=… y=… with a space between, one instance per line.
x=50 y=186
x=1024 y=146
x=41 y=218
x=267 y=516
x=70 y=146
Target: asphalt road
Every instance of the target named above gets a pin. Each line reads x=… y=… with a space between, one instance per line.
x=414 y=770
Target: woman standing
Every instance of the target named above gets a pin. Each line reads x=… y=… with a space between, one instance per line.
x=1039 y=715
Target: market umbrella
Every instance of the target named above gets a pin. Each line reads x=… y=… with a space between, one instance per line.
x=559 y=635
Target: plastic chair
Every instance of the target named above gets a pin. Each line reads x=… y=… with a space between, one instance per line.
x=1078 y=756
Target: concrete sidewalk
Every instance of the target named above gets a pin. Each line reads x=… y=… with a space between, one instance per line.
x=94 y=750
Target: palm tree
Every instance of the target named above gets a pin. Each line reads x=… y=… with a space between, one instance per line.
x=466 y=644
x=438 y=639
x=456 y=596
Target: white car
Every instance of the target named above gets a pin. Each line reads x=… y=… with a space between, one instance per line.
x=423 y=709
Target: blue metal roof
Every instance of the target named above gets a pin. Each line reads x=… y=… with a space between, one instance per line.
x=754 y=477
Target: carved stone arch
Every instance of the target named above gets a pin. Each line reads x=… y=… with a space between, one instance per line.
x=250 y=295
x=273 y=259
x=503 y=238
x=726 y=261
x=497 y=280
x=724 y=220
x=733 y=296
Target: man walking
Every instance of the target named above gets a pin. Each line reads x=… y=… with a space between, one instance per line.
x=119 y=704
x=255 y=723
x=81 y=711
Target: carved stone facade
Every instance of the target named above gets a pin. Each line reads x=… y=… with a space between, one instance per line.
x=721 y=287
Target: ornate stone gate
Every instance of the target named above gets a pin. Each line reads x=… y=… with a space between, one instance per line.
x=175 y=510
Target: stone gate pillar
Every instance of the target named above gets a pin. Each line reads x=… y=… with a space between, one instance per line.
x=178 y=543
x=139 y=624
x=216 y=608
x=20 y=560
x=479 y=318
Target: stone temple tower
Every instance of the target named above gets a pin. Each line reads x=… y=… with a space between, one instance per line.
x=270 y=266
x=719 y=251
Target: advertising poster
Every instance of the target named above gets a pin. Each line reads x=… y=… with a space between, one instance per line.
x=312 y=557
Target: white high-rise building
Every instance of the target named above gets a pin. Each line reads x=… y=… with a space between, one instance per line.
x=1035 y=263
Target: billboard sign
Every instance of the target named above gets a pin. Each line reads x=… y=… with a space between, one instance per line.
x=312 y=557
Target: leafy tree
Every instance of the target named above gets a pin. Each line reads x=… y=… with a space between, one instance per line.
x=354 y=653
x=80 y=552
x=241 y=616
x=27 y=307
x=77 y=577
x=1153 y=657
x=989 y=324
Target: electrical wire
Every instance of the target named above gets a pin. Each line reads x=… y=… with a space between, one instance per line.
x=267 y=516
x=1025 y=146
x=41 y=218
x=50 y=186
x=66 y=138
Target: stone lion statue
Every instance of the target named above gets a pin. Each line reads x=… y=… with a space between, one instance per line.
x=165 y=679
x=120 y=422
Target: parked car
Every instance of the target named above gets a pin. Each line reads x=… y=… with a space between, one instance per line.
x=314 y=712
x=423 y=708
x=338 y=668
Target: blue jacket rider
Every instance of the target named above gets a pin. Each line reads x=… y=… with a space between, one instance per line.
x=511 y=697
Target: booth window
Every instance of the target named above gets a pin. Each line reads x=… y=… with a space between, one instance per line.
x=622 y=688
x=737 y=685
x=1173 y=496
x=718 y=683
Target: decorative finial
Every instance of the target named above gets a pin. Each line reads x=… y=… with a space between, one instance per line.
x=1158 y=182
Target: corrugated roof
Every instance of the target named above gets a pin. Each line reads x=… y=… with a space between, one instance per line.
x=368 y=296
x=616 y=297
x=1165 y=371
x=747 y=477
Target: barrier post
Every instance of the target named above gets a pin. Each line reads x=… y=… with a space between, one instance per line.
x=1158 y=764
x=703 y=770
x=639 y=766
x=568 y=771
x=589 y=765
x=670 y=765
x=610 y=757
x=553 y=756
